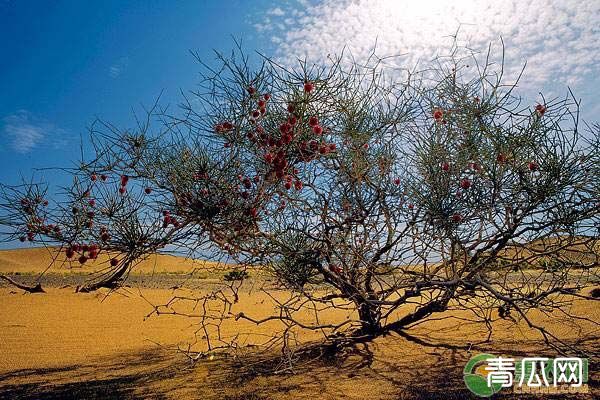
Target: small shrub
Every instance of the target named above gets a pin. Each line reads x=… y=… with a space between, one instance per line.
x=236 y=275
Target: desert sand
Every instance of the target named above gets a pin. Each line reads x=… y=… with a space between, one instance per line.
x=63 y=344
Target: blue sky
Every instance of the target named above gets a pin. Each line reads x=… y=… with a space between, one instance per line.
x=66 y=62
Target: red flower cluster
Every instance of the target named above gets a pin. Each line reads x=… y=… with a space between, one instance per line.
x=36 y=223
x=168 y=219
x=86 y=252
x=533 y=166
x=308 y=87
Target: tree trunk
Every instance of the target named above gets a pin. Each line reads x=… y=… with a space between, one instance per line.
x=112 y=281
x=370 y=319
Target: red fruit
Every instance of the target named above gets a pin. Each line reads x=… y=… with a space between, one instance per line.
x=82 y=259
x=438 y=114
x=262 y=103
x=245 y=195
x=166 y=221
x=366 y=146
x=285 y=127
x=317 y=130
x=103 y=177
x=540 y=109
x=411 y=206
x=91 y=214
x=76 y=247
x=92 y=203
x=148 y=190
x=298 y=185
x=445 y=166
x=308 y=87
x=291 y=108
x=69 y=253
x=85 y=247
x=336 y=268
x=166 y=212
x=292 y=120
x=86 y=193
x=122 y=190
x=251 y=90
x=247 y=183
x=227 y=125
x=114 y=262
x=22 y=239
x=332 y=147
x=93 y=254
x=93 y=177
x=124 y=180
x=465 y=183
x=397 y=181
x=262 y=110
x=269 y=158
x=105 y=237
x=45 y=203
x=255 y=114
x=313 y=121
x=501 y=158
x=254 y=212
x=324 y=149
x=267 y=96
x=175 y=222
x=456 y=217
x=475 y=166
x=227 y=145
x=533 y=166
x=288 y=185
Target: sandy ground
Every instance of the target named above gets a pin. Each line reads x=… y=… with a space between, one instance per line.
x=74 y=345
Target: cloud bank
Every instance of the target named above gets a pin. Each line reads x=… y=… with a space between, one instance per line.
x=559 y=40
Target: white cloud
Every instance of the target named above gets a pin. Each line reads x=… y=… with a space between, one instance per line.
x=24 y=132
x=558 y=39
x=117 y=68
x=278 y=12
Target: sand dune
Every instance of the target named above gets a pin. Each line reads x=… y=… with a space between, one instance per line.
x=34 y=260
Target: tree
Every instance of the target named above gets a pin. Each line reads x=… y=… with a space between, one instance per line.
x=398 y=199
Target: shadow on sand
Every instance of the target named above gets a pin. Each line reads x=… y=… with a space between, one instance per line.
x=406 y=367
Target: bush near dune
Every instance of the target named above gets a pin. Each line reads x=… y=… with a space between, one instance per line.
x=396 y=199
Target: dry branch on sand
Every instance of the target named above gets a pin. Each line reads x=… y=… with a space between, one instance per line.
x=30 y=289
